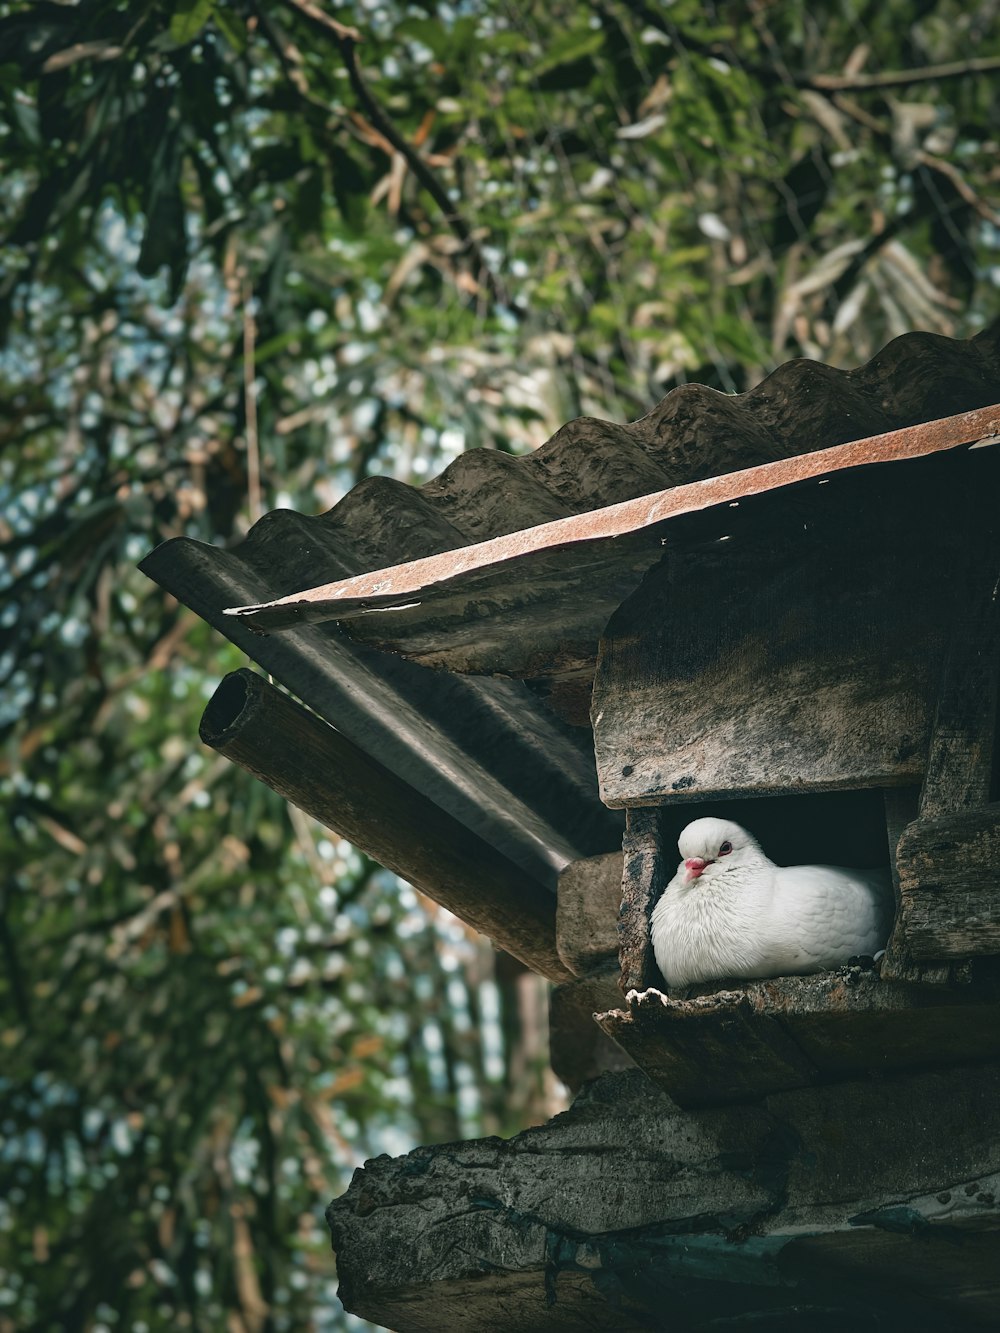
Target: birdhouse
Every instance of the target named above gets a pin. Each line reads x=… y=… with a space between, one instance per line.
x=821 y=665
x=524 y=679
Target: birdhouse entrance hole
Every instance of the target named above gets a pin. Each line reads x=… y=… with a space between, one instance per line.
x=858 y=829
x=739 y=1040
x=846 y=828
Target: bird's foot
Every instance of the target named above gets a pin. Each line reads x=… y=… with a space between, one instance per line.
x=859 y=964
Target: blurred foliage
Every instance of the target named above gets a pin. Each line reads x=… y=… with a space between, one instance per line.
x=246 y=260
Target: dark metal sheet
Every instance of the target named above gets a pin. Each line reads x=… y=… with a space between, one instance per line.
x=484 y=750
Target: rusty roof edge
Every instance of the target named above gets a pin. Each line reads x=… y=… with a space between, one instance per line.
x=402 y=585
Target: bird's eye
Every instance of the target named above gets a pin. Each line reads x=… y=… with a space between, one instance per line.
x=725 y=849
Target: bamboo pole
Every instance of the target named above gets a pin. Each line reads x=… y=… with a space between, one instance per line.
x=313 y=766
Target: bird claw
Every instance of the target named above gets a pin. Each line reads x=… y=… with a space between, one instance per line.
x=858 y=964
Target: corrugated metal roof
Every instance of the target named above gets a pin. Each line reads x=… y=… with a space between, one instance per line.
x=488 y=750
x=483 y=750
x=535 y=602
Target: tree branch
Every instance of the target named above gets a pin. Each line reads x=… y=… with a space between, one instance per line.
x=821 y=83
x=929 y=160
x=899 y=78
x=319 y=19
x=347 y=40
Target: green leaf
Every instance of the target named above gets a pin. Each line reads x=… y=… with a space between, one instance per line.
x=429 y=32
x=232 y=29
x=190 y=16
x=349 y=187
x=739 y=336
x=165 y=240
x=25 y=117
x=307 y=207
x=573 y=46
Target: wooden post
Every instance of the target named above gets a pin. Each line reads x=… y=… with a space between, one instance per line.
x=949 y=881
x=306 y=761
x=900 y=804
x=960 y=761
x=642 y=883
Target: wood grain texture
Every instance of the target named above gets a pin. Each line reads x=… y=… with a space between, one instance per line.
x=588 y=902
x=901 y=804
x=710 y=1050
x=960 y=764
x=949 y=877
x=745 y=1039
x=798 y=647
x=948 y=885
x=310 y=764
x=645 y=874
x=871 y=1206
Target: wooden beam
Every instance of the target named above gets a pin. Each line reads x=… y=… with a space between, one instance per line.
x=960 y=760
x=900 y=804
x=590 y=895
x=751 y=1038
x=708 y=1050
x=578 y=1049
x=869 y=1206
x=309 y=763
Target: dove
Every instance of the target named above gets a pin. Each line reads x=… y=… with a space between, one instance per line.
x=731 y=912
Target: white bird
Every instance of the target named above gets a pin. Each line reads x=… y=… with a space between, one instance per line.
x=730 y=912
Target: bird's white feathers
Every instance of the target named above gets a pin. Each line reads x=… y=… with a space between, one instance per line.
x=740 y=915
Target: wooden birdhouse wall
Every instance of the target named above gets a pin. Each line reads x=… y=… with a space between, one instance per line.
x=790 y=644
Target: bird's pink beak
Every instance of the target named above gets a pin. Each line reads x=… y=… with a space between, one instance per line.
x=695 y=866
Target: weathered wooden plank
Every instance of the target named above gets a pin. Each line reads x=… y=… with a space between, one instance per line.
x=853 y=1021
x=900 y=805
x=644 y=877
x=871 y=1205
x=709 y=1050
x=774 y=654
x=949 y=885
x=757 y=1037
x=578 y=1049
x=588 y=901
x=960 y=768
x=949 y=873
x=310 y=764
x=796 y=646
